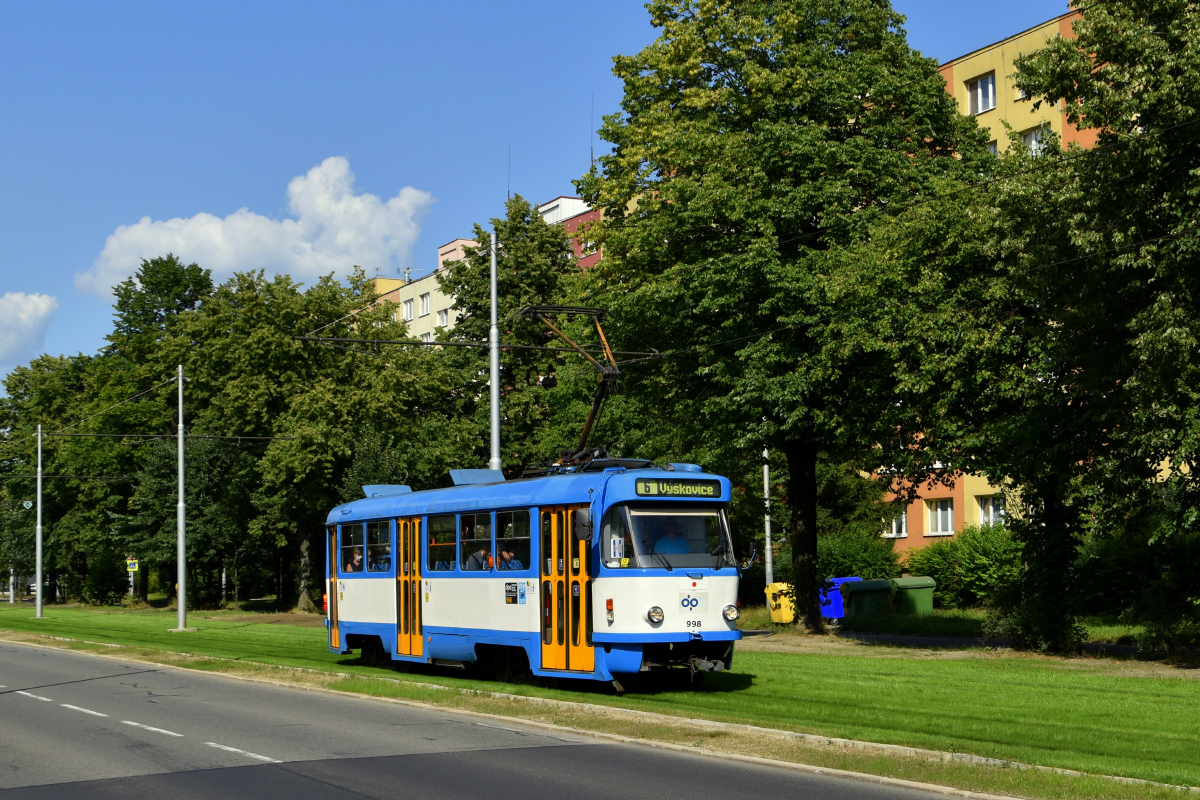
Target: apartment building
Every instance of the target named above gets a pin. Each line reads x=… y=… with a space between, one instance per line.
x=576 y=217
x=941 y=511
x=981 y=81
x=421 y=303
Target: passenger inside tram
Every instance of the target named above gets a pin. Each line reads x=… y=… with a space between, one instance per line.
x=508 y=557
x=479 y=560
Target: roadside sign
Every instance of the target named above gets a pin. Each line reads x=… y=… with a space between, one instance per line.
x=28 y=504
x=131 y=565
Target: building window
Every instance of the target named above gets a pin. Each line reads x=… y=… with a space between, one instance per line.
x=941 y=517
x=991 y=510
x=424 y=304
x=443 y=318
x=1034 y=140
x=897 y=528
x=408 y=310
x=424 y=337
x=982 y=93
x=993 y=148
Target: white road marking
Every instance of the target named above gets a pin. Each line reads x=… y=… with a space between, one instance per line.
x=148 y=728
x=36 y=697
x=255 y=756
x=84 y=710
x=500 y=728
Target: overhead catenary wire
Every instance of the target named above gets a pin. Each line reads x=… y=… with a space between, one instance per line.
x=71 y=477
x=93 y=416
x=477 y=345
x=171 y=436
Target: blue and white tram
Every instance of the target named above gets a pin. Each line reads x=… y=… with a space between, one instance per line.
x=517 y=571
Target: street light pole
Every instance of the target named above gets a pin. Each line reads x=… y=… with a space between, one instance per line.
x=38 y=530
x=180 y=524
x=494 y=350
x=767 y=513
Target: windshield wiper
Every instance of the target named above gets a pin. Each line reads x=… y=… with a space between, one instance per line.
x=659 y=557
x=723 y=552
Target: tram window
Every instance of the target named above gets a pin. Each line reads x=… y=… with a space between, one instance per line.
x=617 y=540
x=662 y=536
x=441 y=544
x=512 y=540
x=379 y=546
x=475 y=538
x=547 y=545
x=352 y=547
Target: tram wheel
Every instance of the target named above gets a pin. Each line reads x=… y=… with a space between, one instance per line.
x=372 y=653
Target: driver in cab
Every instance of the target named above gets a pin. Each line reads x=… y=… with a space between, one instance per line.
x=671 y=542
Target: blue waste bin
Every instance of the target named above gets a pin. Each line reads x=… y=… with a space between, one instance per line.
x=831 y=598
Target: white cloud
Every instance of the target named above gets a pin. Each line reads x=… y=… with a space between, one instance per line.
x=24 y=319
x=333 y=229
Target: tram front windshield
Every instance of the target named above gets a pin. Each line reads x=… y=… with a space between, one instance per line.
x=666 y=537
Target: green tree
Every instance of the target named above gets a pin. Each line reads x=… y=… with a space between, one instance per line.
x=752 y=137
x=1120 y=299
x=534 y=263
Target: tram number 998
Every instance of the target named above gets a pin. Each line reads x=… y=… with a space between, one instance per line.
x=693 y=623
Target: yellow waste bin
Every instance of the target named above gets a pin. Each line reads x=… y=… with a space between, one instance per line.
x=780 y=603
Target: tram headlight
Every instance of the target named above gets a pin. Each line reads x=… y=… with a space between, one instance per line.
x=730 y=613
x=655 y=615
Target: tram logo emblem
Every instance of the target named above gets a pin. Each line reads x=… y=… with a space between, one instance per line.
x=693 y=602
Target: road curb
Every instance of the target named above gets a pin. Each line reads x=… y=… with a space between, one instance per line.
x=824 y=741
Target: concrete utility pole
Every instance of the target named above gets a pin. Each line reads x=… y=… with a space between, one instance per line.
x=767 y=513
x=180 y=525
x=494 y=350
x=38 y=530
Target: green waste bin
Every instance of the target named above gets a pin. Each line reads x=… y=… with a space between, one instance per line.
x=867 y=598
x=913 y=595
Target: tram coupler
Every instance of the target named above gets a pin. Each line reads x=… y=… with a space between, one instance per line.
x=697 y=664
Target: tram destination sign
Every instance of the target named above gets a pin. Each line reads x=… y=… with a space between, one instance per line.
x=672 y=487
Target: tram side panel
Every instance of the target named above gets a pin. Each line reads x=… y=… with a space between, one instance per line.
x=364 y=600
x=465 y=610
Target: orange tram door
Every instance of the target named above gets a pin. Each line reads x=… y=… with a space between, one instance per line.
x=331 y=591
x=408 y=587
x=565 y=593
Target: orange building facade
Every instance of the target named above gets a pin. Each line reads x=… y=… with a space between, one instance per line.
x=981 y=81
x=941 y=511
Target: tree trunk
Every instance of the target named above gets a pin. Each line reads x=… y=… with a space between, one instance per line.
x=144 y=582
x=1047 y=618
x=305 y=602
x=802 y=497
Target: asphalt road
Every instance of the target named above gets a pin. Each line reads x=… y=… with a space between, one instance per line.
x=74 y=725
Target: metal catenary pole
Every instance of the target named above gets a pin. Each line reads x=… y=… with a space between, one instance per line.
x=38 y=530
x=494 y=349
x=180 y=523
x=767 y=514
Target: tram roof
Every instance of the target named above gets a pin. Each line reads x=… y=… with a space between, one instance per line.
x=549 y=490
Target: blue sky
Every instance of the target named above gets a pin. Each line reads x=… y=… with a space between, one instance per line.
x=245 y=123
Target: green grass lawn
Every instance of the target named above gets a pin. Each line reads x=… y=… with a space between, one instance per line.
x=964 y=623
x=1079 y=714
x=949 y=622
